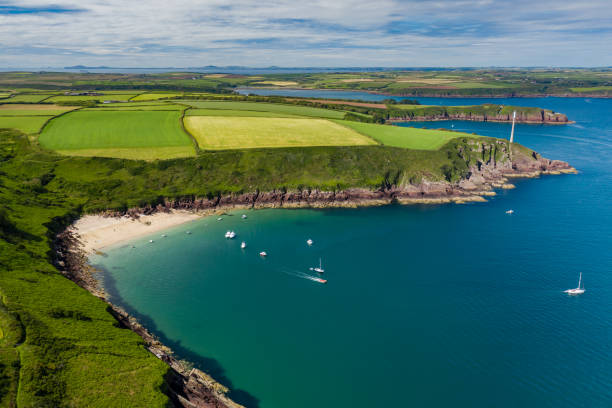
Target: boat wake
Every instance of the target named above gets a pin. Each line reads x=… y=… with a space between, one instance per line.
x=303 y=275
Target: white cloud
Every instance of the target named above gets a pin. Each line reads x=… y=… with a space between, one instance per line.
x=315 y=33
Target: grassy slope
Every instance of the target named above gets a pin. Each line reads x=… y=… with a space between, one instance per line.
x=98 y=129
x=268 y=107
x=409 y=138
x=77 y=360
x=72 y=353
x=217 y=132
x=26 y=124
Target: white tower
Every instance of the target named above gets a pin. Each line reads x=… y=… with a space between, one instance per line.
x=512 y=132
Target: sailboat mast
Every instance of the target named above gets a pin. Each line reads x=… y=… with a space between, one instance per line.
x=512 y=132
x=580 y=280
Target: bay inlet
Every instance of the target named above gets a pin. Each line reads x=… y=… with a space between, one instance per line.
x=425 y=305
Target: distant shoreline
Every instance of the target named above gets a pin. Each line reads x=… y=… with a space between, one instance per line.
x=433 y=95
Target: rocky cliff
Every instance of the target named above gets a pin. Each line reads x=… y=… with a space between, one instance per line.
x=482 y=167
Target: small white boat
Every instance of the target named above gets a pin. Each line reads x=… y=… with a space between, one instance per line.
x=576 y=291
x=309 y=242
x=263 y=253
x=510 y=212
x=188 y=233
x=243 y=245
x=230 y=234
x=243 y=216
x=318 y=269
x=151 y=241
x=164 y=235
x=219 y=219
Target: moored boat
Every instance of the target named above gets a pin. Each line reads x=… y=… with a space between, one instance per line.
x=577 y=291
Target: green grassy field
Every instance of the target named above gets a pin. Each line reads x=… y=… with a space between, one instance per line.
x=228 y=112
x=218 y=133
x=408 y=138
x=28 y=98
x=33 y=110
x=154 y=96
x=114 y=133
x=267 y=107
x=141 y=107
x=27 y=124
x=592 y=89
x=105 y=97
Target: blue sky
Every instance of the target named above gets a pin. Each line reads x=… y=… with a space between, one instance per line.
x=290 y=33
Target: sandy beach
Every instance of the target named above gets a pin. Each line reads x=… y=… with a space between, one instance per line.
x=97 y=232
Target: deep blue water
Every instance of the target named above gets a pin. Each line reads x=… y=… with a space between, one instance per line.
x=426 y=306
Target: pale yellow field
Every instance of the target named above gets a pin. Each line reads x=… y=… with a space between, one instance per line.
x=277 y=83
x=154 y=96
x=358 y=80
x=218 y=132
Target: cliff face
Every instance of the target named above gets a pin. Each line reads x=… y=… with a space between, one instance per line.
x=480 y=168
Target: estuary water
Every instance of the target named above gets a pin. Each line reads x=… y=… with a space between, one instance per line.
x=425 y=306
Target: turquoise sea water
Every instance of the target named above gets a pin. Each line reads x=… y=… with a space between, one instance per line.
x=425 y=306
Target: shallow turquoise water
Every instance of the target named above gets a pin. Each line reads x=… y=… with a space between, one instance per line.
x=426 y=306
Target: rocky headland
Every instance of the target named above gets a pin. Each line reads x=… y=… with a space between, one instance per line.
x=541 y=116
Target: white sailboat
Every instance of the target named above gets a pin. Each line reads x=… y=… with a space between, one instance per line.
x=576 y=291
x=309 y=242
x=318 y=269
x=243 y=245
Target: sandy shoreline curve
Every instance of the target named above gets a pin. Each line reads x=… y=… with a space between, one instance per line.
x=97 y=232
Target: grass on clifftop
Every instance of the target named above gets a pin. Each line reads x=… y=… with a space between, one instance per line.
x=125 y=134
x=408 y=138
